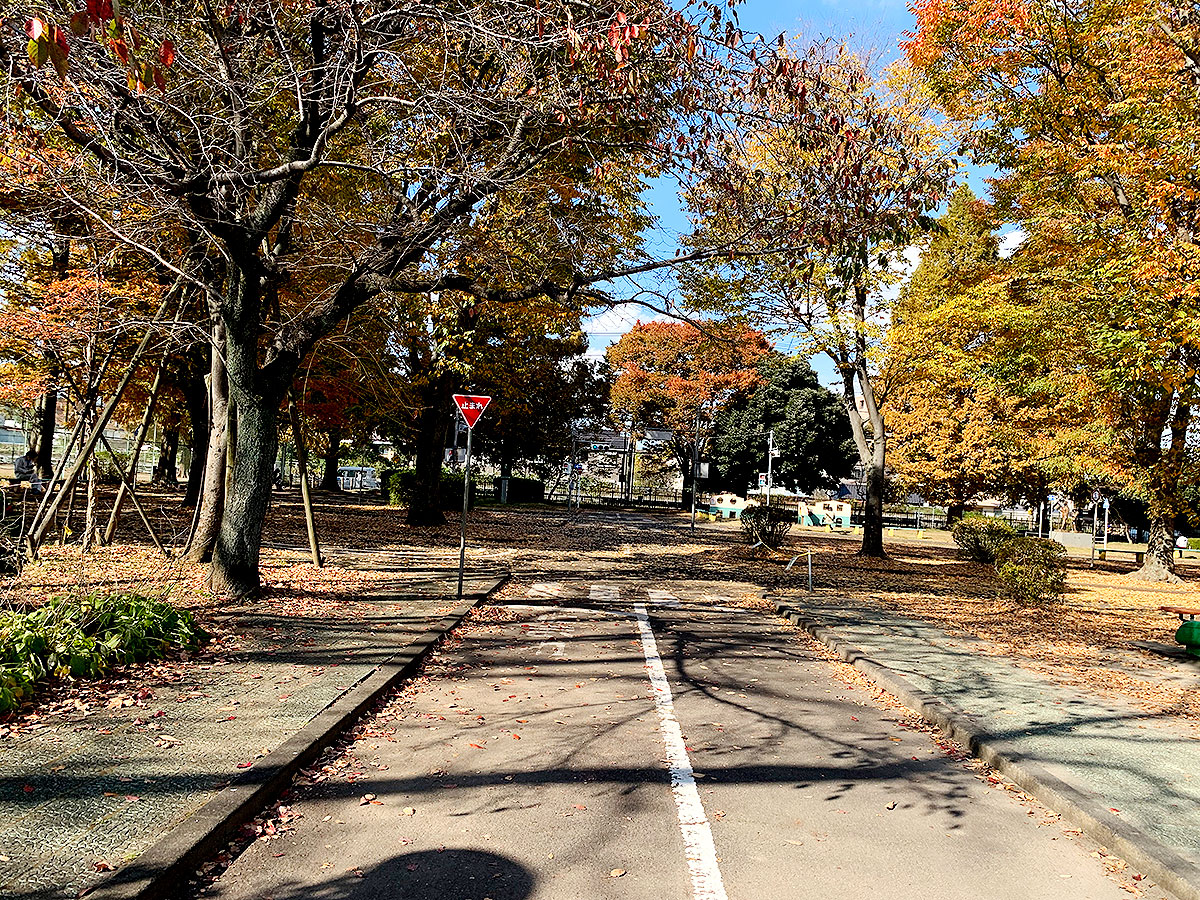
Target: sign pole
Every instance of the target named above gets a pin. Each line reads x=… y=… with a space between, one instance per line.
x=462 y=536
x=770 y=459
x=471 y=407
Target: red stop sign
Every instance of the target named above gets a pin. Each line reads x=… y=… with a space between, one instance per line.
x=471 y=406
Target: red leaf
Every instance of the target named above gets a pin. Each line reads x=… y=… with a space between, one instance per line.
x=35 y=28
x=245 y=765
x=166 y=54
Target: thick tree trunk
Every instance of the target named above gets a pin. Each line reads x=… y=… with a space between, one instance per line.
x=329 y=480
x=235 y=557
x=168 y=458
x=198 y=413
x=1160 y=554
x=955 y=513
x=212 y=497
x=44 y=436
x=425 y=505
x=872 y=544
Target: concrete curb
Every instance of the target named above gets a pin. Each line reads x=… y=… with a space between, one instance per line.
x=1144 y=853
x=167 y=865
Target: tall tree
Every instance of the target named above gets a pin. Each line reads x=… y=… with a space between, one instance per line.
x=811 y=431
x=679 y=377
x=879 y=174
x=1089 y=110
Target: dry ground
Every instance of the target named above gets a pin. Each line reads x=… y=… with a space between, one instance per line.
x=1086 y=639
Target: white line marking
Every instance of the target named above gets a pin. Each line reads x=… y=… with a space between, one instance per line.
x=697 y=836
x=605 y=592
x=664 y=598
x=545 y=589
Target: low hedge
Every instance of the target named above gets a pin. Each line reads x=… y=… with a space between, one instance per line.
x=84 y=637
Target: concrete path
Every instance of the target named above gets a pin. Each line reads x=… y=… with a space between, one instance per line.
x=83 y=794
x=1131 y=778
x=621 y=740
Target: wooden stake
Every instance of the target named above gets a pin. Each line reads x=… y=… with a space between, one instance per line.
x=302 y=461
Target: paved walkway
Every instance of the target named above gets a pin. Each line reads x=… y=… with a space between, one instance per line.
x=644 y=741
x=1137 y=773
x=86 y=793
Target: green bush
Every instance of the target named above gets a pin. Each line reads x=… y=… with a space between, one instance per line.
x=768 y=524
x=398 y=486
x=982 y=539
x=1193 y=543
x=1032 y=570
x=85 y=637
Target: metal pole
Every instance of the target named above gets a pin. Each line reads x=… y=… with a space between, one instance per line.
x=695 y=466
x=810 y=570
x=462 y=536
x=1095 y=513
x=1105 y=524
x=770 y=455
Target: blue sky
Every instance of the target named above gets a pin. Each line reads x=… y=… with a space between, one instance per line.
x=875 y=27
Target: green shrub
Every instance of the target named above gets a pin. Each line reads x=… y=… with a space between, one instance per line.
x=85 y=637
x=1032 y=570
x=982 y=539
x=1193 y=543
x=399 y=484
x=768 y=524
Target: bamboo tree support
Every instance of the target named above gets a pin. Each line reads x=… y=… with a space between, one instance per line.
x=62 y=464
x=136 y=505
x=302 y=461
x=139 y=439
x=125 y=488
x=37 y=531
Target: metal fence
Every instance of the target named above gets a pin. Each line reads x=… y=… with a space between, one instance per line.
x=933 y=519
x=616 y=495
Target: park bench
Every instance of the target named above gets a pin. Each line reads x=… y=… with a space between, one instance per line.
x=1189 y=629
x=1139 y=556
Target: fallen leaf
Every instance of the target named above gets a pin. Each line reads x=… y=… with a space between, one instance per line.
x=616 y=873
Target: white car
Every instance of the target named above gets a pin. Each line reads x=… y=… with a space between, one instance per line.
x=357 y=478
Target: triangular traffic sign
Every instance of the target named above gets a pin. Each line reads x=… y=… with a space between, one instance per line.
x=471 y=406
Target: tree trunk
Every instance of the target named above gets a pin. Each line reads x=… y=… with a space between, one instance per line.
x=196 y=401
x=212 y=497
x=425 y=505
x=235 y=557
x=44 y=436
x=254 y=400
x=168 y=458
x=955 y=512
x=329 y=479
x=1160 y=554
x=872 y=544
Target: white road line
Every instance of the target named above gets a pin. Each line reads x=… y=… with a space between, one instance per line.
x=697 y=835
x=662 y=598
x=605 y=592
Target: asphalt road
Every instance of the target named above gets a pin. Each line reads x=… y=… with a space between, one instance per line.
x=617 y=740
